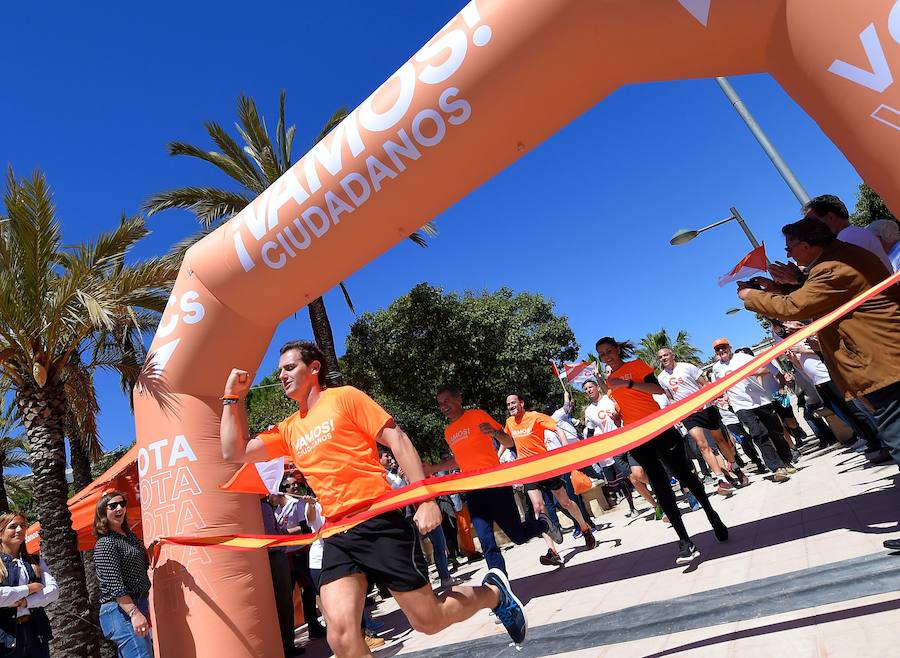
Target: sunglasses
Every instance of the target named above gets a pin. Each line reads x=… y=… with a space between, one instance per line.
x=723 y=348
x=116 y=505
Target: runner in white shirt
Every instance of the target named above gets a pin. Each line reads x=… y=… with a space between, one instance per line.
x=681 y=380
x=753 y=406
x=739 y=434
x=601 y=415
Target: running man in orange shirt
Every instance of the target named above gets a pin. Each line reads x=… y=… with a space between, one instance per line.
x=474 y=450
x=332 y=440
x=525 y=431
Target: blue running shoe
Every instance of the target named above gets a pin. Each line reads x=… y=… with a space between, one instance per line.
x=510 y=610
x=693 y=502
x=576 y=533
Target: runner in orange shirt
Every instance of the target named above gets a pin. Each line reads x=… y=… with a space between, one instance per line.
x=525 y=430
x=633 y=385
x=332 y=440
x=474 y=450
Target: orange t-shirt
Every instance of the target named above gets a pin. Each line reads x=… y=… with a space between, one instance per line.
x=529 y=432
x=633 y=405
x=472 y=448
x=333 y=445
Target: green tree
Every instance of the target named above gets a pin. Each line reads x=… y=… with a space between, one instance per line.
x=13 y=454
x=255 y=167
x=490 y=344
x=652 y=343
x=55 y=301
x=869 y=207
x=267 y=404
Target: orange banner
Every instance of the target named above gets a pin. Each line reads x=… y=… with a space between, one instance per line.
x=538 y=467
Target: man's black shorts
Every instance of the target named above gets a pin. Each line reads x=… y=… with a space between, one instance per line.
x=708 y=419
x=385 y=548
x=550 y=484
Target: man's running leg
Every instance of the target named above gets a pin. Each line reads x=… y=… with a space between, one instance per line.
x=343 y=601
x=771 y=421
x=639 y=479
x=537 y=502
x=431 y=614
x=485 y=507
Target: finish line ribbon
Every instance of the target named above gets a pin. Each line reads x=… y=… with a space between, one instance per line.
x=537 y=467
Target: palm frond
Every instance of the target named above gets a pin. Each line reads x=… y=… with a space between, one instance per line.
x=175 y=256
x=347 y=297
x=259 y=146
x=339 y=115
x=220 y=160
x=253 y=179
x=209 y=204
x=281 y=136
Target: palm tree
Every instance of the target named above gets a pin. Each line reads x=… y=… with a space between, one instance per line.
x=13 y=454
x=56 y=302
x=255 y=167
x=652 y=343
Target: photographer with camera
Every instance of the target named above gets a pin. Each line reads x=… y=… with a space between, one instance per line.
x=862 y=348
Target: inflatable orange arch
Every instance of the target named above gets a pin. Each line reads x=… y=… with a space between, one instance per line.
x=496 y=81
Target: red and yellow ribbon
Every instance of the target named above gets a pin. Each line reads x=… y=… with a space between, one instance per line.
x=539 y=467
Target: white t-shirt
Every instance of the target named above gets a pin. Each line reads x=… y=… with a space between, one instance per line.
x=317 y=547
x=682 y=381
x=814 y=368
x=747 y=393
x=728 y=416
x=598 y=416
x=867 y=240
x=564 y=422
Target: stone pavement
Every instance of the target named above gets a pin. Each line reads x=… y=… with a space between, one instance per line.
x=803 y=574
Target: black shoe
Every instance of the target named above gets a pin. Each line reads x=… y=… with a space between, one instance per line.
x=881 y=456
x=474 y=557
x=589 y=542
x=892 y=544
x=551 y=559
x=686 y=552
x=316 y=631
x=551 y=529
x=761 y=470
x=719 y=528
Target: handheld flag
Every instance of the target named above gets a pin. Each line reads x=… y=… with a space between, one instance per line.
x=578 y=373
x=259 y=478
x=752 y=263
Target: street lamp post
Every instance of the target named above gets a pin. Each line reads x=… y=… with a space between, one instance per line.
x=684 y=235
x=764 y=142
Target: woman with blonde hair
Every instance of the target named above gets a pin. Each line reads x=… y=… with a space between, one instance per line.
x=122 y=565
x=26 y=586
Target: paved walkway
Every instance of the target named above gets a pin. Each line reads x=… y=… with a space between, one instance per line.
x=803 y=574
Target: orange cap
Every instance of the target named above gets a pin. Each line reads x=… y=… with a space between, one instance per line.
x=720 y=341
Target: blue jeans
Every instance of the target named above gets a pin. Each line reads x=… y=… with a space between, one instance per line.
x=489 y=506
x=116 y=625
x=439 y=544
x=886 y=405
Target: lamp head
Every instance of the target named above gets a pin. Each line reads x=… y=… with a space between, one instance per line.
x=683 y=236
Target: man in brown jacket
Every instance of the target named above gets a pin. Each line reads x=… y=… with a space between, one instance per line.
x=862 y=348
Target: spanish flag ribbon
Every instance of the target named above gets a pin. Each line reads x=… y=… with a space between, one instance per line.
x=538 y=467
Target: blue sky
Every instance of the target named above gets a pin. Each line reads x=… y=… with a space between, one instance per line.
x=93 y=94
